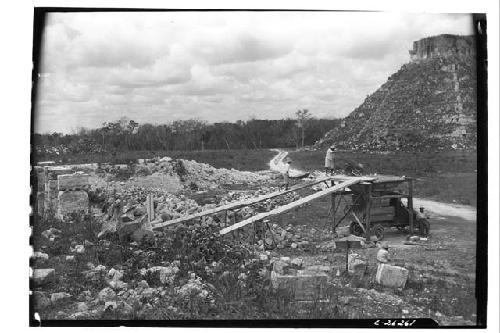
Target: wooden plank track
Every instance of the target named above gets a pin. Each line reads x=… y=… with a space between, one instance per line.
x=295 y=204
x=239 y=204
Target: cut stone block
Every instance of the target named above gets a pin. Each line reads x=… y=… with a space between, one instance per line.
x=72 y=202
x=302 y=287
x=42 y=276
x=391 y=276
x=72 y=181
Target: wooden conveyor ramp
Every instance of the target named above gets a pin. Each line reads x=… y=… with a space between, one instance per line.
x=345 y=181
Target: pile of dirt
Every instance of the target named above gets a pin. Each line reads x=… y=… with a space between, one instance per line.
x=174 y=174
x=205 y=176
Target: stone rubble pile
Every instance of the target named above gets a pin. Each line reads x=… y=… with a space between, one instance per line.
x=199 y=175
x=125 y=213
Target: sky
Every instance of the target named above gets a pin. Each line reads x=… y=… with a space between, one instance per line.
x=159 y=67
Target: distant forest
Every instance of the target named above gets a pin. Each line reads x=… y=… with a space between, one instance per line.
x=187 y=135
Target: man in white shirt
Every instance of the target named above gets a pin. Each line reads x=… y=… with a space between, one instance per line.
x=286 y=173
x=329 y=159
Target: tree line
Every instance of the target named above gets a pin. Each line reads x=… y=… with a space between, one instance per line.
x=128 y=135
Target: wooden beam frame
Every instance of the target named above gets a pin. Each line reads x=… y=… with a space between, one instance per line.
x=235 y=205
x=294 y=204
x=368 y=212
x=410 y=205
x=349 y=210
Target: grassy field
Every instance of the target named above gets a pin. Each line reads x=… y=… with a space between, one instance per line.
x=445 y=176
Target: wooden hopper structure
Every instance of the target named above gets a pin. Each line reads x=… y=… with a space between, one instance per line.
x=376 y=205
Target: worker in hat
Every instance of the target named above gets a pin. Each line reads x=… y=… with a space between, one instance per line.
x=329 y=157
x=383 y=253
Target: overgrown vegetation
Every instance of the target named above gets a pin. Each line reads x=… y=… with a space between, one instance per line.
x=124 y=136
x=236 y=282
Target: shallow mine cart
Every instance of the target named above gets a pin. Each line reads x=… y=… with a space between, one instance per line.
x=376 y=206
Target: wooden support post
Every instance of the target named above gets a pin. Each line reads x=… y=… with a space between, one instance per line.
x=333 y=212
x=347 y=256
x=150 y=208
x=410 y=205
x=368 y=212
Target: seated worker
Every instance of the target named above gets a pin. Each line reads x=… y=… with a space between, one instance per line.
x=353 y=168
x=329 y=160
x=383 y=254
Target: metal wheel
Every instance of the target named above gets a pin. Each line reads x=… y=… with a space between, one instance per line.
x=424 y=227
x=356 y=229
x=378 y=230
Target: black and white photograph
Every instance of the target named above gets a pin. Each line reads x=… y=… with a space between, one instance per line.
x=259 y=168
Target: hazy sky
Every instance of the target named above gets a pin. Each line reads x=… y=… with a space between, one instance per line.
x=220 y=66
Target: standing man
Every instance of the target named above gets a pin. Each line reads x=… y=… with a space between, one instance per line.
x=286 y=172
x=329 y=165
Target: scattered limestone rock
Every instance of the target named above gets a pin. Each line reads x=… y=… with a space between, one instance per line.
x=194 y=288
x=106 y=294
x=41 y=300
x=85 y=295
x=297 y=263
x=281 y=267
x=57 y=297
x=166 y=274
x=41 y=255
x=143 y=284
x=43 y=275
x=114 y=279
x=124 y=307
x=110 y=305
x=356 y=264
x=82 y=307
x=51 y=233
x=78 y=249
